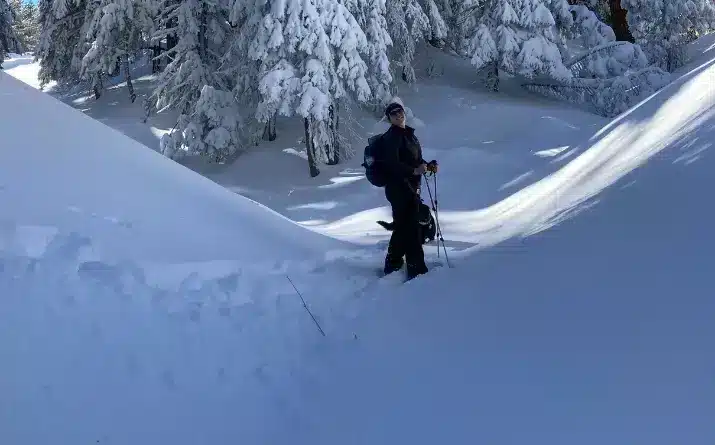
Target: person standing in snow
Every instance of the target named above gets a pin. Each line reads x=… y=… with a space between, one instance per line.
x=404 y=167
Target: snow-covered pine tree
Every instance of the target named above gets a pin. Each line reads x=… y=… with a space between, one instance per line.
x=521 y=37
x=605 y=58
x=200 y=32
x=589 y=28
x=408 y=26
x=6 y=19
x=439 y=30
x=264 y=82
x=370 y=15
x=8 y=39
x=663 y=27
x=213 y=130
x=248 y=17
x=26 y=26
x=345 y=71
x=461 y=18
x=599 y=7
x=63 y=40
x=118 y=30
x=311 y=56
x=191 y=83
x=245 y=19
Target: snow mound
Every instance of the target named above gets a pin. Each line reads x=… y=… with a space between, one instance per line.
x=60 y=168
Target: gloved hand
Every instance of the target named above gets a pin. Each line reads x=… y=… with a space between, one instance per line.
x=432 y=166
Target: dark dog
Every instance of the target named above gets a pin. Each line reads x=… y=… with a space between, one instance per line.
x=427 y=224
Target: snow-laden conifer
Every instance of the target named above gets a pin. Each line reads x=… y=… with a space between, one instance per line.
x=117 y=31
x=26 y=25
x=63 y=40
x=192 y=83
x=408 y=26
x=589 y=28
x=370 y=16
x=310 y=55
x=521 y=37
x=663 y=27
x=200 y=32
x=8 y=39
x=213 y=130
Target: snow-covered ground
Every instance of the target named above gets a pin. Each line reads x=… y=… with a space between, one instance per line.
x=145 y=304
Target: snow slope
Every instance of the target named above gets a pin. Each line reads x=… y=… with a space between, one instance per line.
x=597 y=330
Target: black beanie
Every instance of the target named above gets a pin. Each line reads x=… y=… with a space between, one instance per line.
x=392 y=107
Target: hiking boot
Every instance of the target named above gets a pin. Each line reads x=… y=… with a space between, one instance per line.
x=392 y=265
x=414 y=271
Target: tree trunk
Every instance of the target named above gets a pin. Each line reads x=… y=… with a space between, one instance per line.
x=171 y=42
x=310 y=148
x=492 y=79
x=269 y=131
x=333 y=126
x=97 y=86
x=155 y=58
x=171 y=39
x=339 y=149
x=203 y=32
x=620 y=23
x=128 y=74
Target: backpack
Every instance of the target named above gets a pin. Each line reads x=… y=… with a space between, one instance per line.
x=374 y=172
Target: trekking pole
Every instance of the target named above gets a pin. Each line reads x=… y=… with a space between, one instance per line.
x=306 y=306
x=436 y=217
x=434 y=209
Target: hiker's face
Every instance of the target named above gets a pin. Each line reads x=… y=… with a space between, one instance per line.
x=397 y=117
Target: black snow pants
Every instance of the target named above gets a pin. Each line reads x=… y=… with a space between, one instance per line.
x=406 y=240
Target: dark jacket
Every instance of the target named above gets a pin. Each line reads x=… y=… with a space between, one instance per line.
x=403 y=153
